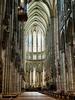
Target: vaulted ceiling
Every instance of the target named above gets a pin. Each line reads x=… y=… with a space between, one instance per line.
x=39 y=14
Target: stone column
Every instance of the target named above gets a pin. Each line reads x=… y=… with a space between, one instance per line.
x=3 y=75
x=2 y=13
x=39 y=78
x=43 y=76
x=30 y=78
x=15 y=80
x=20 y=83
x=10 y=85
x=27 y=79
x=56 y=52
x=70 y=69
x=73 y=61
x=34 y=76
x=67 y=82
x=64 y=72
x=18 y=78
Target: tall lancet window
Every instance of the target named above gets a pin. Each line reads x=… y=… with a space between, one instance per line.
x=35 y=44
x=34 y=41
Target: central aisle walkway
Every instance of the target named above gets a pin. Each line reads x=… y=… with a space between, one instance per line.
x=33 y=96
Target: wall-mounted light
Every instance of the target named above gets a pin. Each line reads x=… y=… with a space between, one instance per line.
x=68 y=9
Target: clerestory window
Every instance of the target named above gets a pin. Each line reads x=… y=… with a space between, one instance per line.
x=35 y=45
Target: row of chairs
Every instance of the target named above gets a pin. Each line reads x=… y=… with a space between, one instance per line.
x=63 y=96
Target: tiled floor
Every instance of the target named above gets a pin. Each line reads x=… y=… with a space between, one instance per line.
x=33 y=96
x=30 y=96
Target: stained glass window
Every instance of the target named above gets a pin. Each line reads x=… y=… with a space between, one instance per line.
x=35 y=44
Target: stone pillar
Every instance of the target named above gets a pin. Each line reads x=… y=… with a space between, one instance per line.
x=73 y=59
x=27 y=79
x=15 y=80
x=18 y=78
x=67 y=82
x=64 y=72
x=37 y=83
x=11 y=81
x=43 y=77
x=34 y=76
x=20 y=83
x=3 y=75
x=70 y=69
x=39 y=78
x=30 y=78
x=56 y=52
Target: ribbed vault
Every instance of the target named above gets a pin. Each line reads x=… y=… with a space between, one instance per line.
x=38 y=14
